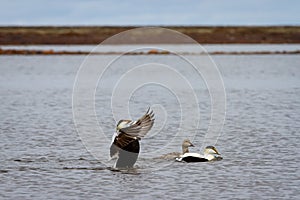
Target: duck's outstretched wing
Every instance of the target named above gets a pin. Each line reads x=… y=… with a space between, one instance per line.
x=134 y=131
x=120 y=142
x=140 y=127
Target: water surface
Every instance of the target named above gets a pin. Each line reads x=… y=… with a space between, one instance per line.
x=42 y=156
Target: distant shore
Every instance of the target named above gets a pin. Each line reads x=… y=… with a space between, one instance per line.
x=150 y=52
x=94 y=35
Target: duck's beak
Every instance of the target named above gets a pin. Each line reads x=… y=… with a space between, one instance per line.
x=217 y=152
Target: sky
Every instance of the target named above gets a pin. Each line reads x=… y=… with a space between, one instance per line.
x=149 y=12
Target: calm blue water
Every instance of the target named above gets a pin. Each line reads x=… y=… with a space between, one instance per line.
x=42 y=156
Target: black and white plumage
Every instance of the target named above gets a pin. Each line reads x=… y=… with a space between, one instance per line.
x=125 y=144
x=210 y=154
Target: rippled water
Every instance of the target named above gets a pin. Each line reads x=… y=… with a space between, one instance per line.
x=42 y=156
x=179 y=48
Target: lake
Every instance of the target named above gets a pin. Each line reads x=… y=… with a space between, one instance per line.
x=44 y=157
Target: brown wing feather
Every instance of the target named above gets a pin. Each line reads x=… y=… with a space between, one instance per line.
x=140 y=127
x=121 y=141
x=135 y=131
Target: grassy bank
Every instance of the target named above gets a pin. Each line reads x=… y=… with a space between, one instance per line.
x=95 y=35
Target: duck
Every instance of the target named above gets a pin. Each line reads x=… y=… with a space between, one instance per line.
x=185 y=149
x=125 y=145
x=210 y=154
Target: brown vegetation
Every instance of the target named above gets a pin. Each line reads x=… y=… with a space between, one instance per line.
x=95 y=35
x=150 y=52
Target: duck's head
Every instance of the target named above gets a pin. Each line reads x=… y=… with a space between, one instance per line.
x=185 y=146
x=187 y=143
x=211 y=150
x=122 y=124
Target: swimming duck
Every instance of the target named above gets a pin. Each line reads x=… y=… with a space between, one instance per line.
x=185 y=149
x=125 y=144
x=210 y=154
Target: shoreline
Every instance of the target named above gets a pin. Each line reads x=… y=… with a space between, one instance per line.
x=72 y=35
x=150 y=52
